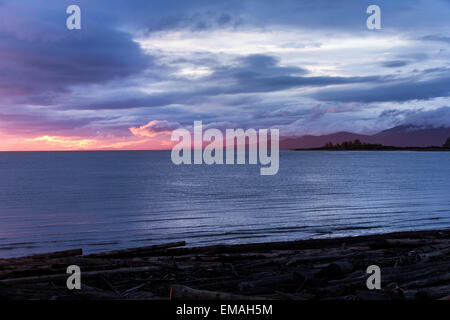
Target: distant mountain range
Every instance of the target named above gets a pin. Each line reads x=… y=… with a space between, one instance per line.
x=400 y=136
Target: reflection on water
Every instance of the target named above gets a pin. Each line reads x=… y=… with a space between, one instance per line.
x=107 y=200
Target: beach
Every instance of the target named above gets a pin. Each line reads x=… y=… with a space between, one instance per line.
x=413 y=264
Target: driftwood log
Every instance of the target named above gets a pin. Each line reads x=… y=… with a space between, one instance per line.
x=414 y=265
x=186 y=293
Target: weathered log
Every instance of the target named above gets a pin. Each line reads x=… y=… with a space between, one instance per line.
x=43 y=256
x=55 y=293
x=89 y=274
x=296 y=297
x=133 y=289
x=186 y=293
x=270 y=282
x=404 y=243
x=401 y=276
x=289 y=267
x=55 y=266
x=136 y=251
x=58 y=254
x=427 y=256
x=430 y=281
x=303 y=259
x=431 y=292
x=377 y=295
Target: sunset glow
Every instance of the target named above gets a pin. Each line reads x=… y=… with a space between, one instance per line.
x=56 y=143
x=127 y=81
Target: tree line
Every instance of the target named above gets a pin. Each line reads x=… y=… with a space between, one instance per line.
x=358 y=145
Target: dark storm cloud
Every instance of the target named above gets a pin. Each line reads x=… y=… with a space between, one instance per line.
x=395 y=63
x=28 y=122
x=250 y=74
x=38 y=71
x=437 y=38
x=262 y=73
x=163 y=15
x=396 y=91
x=42 y=60
x=323 y=14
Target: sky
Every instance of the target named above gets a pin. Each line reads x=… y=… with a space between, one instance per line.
x=137 y=70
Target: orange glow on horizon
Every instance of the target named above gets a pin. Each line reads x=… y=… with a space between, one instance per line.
x=61 y=143
x=155 y=135
x=66 y=143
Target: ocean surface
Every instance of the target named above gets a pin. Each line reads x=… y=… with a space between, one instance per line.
x=98 y=201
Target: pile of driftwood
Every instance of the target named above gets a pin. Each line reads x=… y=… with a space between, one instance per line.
x=414 y=265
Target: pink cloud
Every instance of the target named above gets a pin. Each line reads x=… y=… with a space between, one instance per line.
x=155 y=128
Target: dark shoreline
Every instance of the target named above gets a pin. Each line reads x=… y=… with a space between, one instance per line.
x=414 y=265
x=418 y=149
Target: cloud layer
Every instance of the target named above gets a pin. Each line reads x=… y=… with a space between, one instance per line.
x=134 y=73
